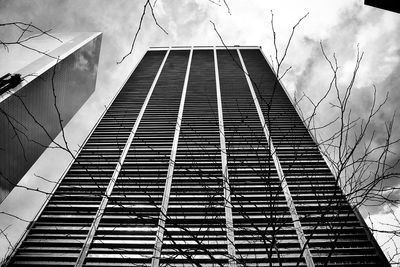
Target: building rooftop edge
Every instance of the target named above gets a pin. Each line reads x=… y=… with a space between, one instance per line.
x=203 y=47
x=44 y=63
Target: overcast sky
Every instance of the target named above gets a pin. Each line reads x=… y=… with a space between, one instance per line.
x=339 y=25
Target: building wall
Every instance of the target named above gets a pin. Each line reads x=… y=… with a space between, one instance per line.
x=195 y=164
x=29 y=119
x=385 y=4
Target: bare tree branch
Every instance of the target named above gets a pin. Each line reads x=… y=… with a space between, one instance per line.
x=146 y=5
x=22 y=39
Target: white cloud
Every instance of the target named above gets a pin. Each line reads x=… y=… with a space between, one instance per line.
x=385 y=224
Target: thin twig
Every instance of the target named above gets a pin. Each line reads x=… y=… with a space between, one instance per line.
x=147 y=4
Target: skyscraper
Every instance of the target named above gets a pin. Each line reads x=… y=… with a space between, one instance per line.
x=383 y=4
x=33 y=112
x=196 y=163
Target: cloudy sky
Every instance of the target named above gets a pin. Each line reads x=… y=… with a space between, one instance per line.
x=341 y=26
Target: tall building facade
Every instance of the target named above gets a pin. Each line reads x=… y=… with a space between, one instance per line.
x=383 y=4
x=201 y=160
x=33 y=112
